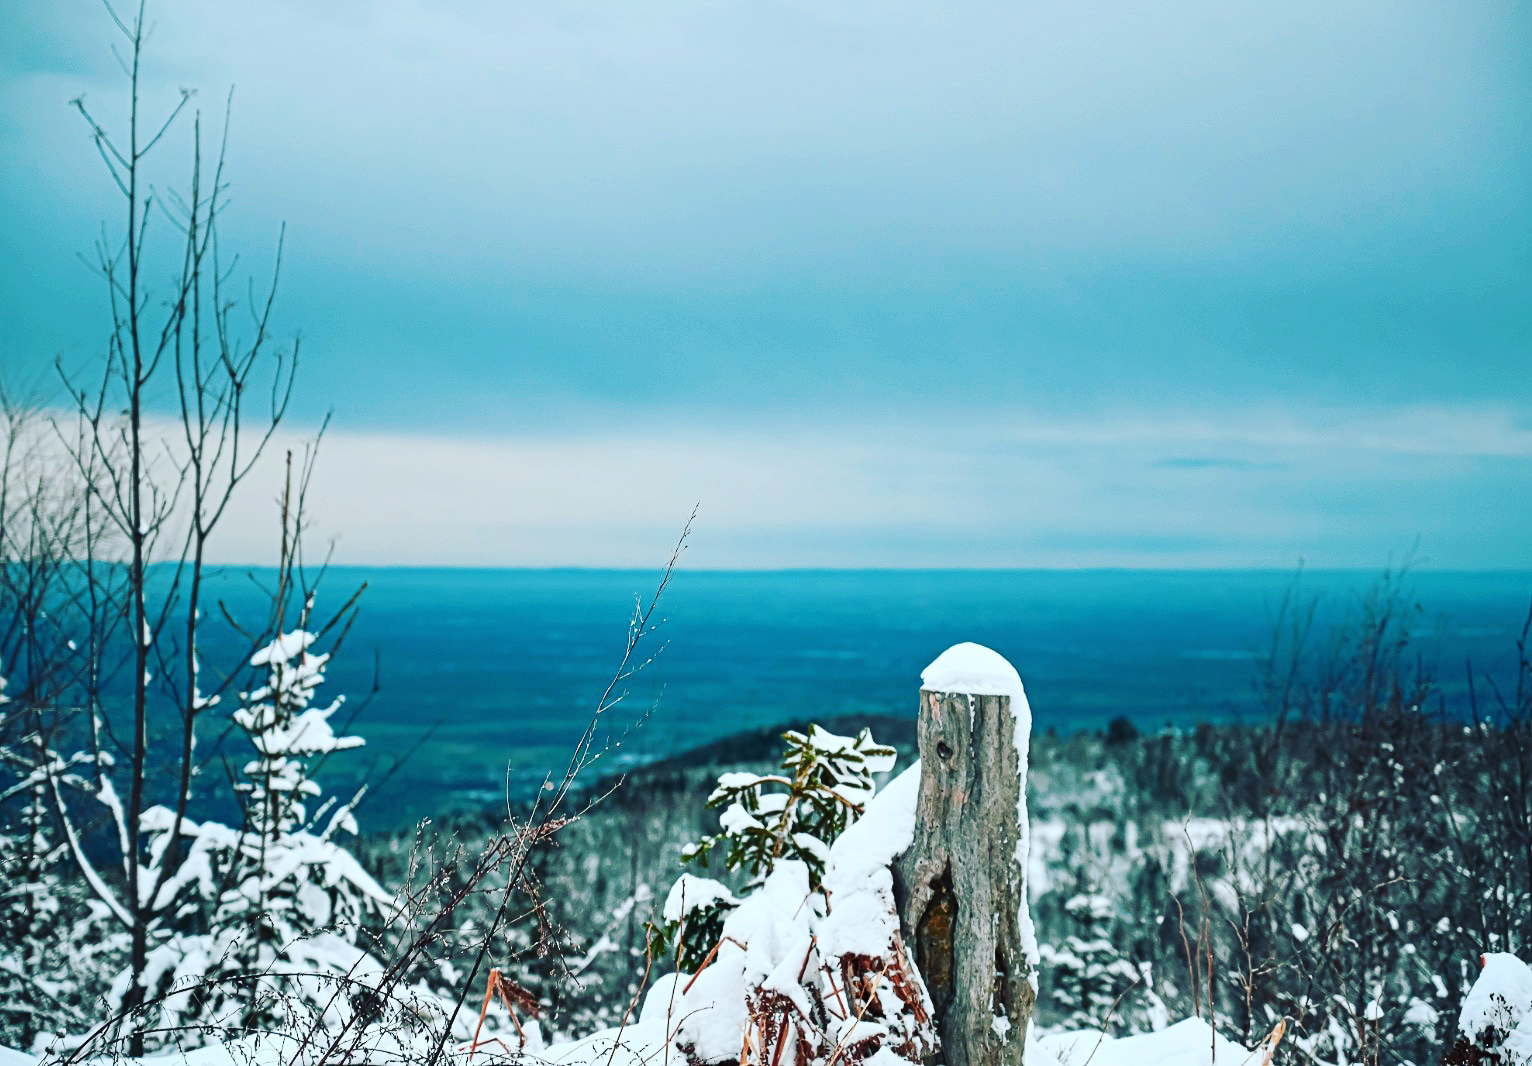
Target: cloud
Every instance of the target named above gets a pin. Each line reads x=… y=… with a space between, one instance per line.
x=1208 y=463
x=581 y=199
x=878 y=284
x=942 y=492
x=1479 y=430
x=944 y=488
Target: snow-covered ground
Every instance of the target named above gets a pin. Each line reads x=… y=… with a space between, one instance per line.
x=809 y=969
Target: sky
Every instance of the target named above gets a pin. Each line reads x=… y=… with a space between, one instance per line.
x=1062 y=284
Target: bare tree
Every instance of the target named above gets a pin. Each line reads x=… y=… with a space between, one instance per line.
x=190 y=391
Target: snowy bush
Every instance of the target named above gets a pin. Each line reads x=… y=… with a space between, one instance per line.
x=693 y=920
x=805 y=971
x=1495 y=1024
x=53 y=938
x=771 y=818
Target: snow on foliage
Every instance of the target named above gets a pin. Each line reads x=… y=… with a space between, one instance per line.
x=1499 y=999
x=1495 y=1022
x=770 y=817
x=691 y=894
x=263 y=925
x=693 y=918
x=804 y=970
x=284 y=730
x=803 y=977
x=1087 y=975
x=808 y=965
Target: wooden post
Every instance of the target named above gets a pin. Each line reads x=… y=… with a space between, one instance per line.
x=961 y=885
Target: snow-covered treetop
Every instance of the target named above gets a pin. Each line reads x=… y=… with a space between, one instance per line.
x=285 y=731
x=283 y=649
x=974 y=670
x=277 y=715
x=306 y=734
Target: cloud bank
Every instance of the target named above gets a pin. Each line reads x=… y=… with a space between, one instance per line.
x=1255 y=489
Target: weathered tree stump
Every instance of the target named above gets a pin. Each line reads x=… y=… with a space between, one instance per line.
x=961 y=885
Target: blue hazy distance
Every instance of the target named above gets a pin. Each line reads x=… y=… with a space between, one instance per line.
x=506 y=665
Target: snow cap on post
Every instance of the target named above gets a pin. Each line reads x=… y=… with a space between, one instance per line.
x=973 y=670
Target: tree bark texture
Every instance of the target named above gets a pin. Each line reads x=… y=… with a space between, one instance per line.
x=960 y=887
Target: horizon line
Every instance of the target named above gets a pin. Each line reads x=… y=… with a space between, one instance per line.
x=1299 y=569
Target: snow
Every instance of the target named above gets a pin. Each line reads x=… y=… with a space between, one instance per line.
x=779 y=943
x=1021 y=712
x=1188 y=1043
x=778 y=946
x=812 y=846
x=661 y=997
x=1496 y=1017
x=1073 y=1048
x=863 y=919
x=735 y=820
x=1422 y=1015
x=691 y=893
x=834 y=744
x=1518 y=1043
x=852 y=1031
x=1500 y=999
x=975 y=670
x=882 y=833
x=283 y=649
x=636 y=1045
x=306 y=734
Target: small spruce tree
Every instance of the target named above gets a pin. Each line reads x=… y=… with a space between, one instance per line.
x=768 y=818
x=1088 y=979
x=273 y=925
